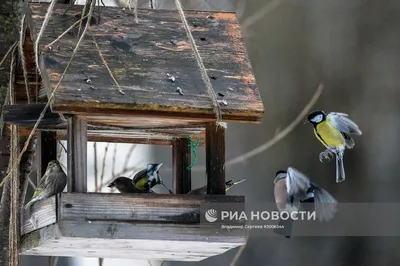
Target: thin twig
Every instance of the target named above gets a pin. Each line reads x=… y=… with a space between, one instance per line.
x=276 y=138
x=238 y=254
x=31 y=183
x=65 y=32
x=113 y=164
x=42 y=29
x=103 y=166
x=271 y=5
x=63 y=149
x=8 y=53
x=50 y=99
x=96 y=177
x=55 y=261
x=83 y=14
x=135 y=3
x=128 y=157
x=106 y=64
x=23 y=59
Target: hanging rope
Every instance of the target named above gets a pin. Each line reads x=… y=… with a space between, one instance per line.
x=194 y=146
x=203 y=71
x=50 y=98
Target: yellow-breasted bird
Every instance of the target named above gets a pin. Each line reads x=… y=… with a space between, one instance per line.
x=203 y=190
x=147 y=178
x=333 y=130
x=292 y=188
x=124 y=185
x=53 y=181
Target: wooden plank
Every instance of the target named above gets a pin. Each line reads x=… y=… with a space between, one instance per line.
x=140 y=56
x=41 y=214
x=137 y=207
x=46 y=150
x=28 y=114
x=124 y=240
x=215 y=159
x=77 y=154
x=181 y=159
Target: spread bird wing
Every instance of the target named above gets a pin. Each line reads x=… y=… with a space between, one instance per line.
x=325 y=204
x=343 y=123
x=296 y=182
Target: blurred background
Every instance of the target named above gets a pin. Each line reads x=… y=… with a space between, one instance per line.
x=353 y=48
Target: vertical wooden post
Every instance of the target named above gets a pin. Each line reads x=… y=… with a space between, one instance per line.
x=77 y=157
x=181 y=159
x=46 y=151
x=215 y=159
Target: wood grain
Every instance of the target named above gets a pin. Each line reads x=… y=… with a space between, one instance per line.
x=41 y=214
x=140 y=56
x=77 y=154
x=131 y=226
x=215 y=159
x=124 y=240
x=181 y=159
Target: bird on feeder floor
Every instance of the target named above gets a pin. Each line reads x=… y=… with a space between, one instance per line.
x=203 y=190
x=293 y=188
x=333 y=130
x=124 y=185
x=147 y=178
x=53 y=181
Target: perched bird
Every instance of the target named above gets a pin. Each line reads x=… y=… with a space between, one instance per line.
x=124 y=185
x=333 y=130
x=203 y=190
x=147 y=178
x=293 y=188
x=53 y=181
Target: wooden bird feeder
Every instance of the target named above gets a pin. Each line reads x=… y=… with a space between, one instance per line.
x=161 y=98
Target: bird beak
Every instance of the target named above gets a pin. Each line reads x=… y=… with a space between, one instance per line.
x=111 y=184
x=307 y=121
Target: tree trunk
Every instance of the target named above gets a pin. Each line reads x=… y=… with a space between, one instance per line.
x=9 y=27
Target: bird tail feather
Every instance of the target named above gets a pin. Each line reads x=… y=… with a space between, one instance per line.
x=340 y=174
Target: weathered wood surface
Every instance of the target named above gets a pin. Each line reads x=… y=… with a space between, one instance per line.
x=41 y=214
x=115 y=207
x=181 y=159
x=26 y=115
x=140 y=56
x=215 y=159
x=77 y=154
x=124 y=240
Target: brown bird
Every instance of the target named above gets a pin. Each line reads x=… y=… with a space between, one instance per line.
x=53 y=181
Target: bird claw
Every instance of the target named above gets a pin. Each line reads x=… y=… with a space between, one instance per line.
x=326 y=155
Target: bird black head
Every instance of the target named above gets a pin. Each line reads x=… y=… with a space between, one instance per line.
x=117 y=181
x=315 y=117
x=281 y=172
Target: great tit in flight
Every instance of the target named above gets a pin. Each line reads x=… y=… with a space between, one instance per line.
x=333 y=131
x=292 y=188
